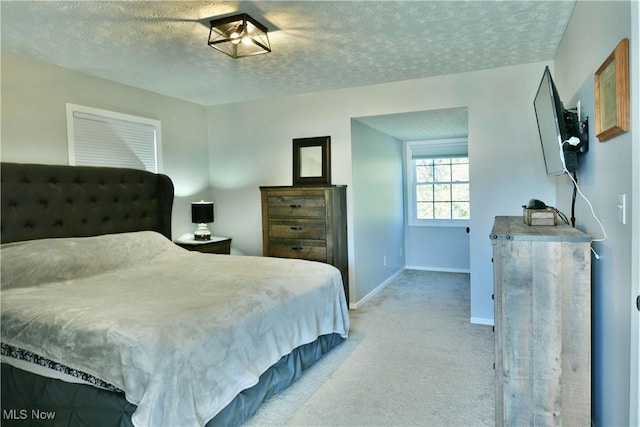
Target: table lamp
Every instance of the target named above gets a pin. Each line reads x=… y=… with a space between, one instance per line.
x=202 y=214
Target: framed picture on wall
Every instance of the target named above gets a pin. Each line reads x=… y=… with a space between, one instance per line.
x=312 y=161
x=611 y=89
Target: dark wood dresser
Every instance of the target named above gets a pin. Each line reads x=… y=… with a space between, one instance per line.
x=307 y=223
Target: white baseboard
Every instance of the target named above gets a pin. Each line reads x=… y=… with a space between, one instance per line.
x=438 y=269
x=481 y=321
x=355 y=305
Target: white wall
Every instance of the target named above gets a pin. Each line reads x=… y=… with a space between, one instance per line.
x=605 y=171
x=250 y=146
x=34 y=97
x=378 y=207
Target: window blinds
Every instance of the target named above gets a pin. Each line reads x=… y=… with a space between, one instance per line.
x=107 y=141
x=439 y=150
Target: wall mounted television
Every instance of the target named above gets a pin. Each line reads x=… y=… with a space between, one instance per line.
x=557 y=126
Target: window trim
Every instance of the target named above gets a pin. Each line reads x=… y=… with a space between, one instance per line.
x=75 y=108
x=440 y=146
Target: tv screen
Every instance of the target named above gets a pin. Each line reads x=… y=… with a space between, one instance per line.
x=552 y=127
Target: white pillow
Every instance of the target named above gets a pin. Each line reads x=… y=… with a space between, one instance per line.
x=34 y=262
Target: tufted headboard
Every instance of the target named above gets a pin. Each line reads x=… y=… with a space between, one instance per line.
x=45 y=201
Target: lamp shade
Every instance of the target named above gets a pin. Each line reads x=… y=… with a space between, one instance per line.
x=201 y=212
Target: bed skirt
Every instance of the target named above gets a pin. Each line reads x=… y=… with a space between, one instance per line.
x=30 y=399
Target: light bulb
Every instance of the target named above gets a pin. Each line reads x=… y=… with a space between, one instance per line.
x=246 y=40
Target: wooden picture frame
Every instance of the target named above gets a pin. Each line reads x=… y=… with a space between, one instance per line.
x=611 y=88
x=312 y=161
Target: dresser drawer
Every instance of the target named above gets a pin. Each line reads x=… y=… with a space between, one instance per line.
x=298 y=228
x=297 y=206
x=314 y=250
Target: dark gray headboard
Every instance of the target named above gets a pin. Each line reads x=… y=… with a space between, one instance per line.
x=44 y=201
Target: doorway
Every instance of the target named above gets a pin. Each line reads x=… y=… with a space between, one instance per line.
x=379 y=194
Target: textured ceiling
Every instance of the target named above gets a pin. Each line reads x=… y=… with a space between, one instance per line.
x=417 y=125
x=161 y=46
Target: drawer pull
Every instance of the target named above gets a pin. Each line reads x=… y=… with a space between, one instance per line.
x=295 y=206
x=296 y=248
x=296 y=228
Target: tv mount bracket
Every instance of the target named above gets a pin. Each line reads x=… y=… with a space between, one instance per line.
x=579 y=129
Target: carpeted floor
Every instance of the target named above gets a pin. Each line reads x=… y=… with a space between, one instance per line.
x=412 y=359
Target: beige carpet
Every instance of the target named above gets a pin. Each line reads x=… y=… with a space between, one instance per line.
x=412 y=359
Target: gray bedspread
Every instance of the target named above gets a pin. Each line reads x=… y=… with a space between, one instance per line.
x=180 y=332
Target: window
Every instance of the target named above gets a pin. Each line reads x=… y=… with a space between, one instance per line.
x=442 y=188
x=105 y=138
x=438 y=182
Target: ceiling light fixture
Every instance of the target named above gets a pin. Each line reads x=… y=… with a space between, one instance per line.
x=239 y=36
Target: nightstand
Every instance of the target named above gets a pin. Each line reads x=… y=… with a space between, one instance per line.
x=217 y=245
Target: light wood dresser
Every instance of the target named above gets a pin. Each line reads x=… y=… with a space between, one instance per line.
x=307 y=223
x=542 y=314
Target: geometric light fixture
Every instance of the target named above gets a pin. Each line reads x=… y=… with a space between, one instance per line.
x=239 y=36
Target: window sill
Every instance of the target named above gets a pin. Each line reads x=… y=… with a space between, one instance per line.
x=463 y=223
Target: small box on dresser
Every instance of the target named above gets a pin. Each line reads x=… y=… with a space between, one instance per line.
x=539 y=216
x=307 y=223
x=542 y=315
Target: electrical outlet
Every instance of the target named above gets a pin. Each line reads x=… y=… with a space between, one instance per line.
x=622 y=208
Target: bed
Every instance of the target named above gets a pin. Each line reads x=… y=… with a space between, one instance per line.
x=106 y=322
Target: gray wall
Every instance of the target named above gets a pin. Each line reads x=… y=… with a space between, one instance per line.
x=34 y=97
x=378 y=206
x=437 y=248
x=634 y=393
x=605 y=171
